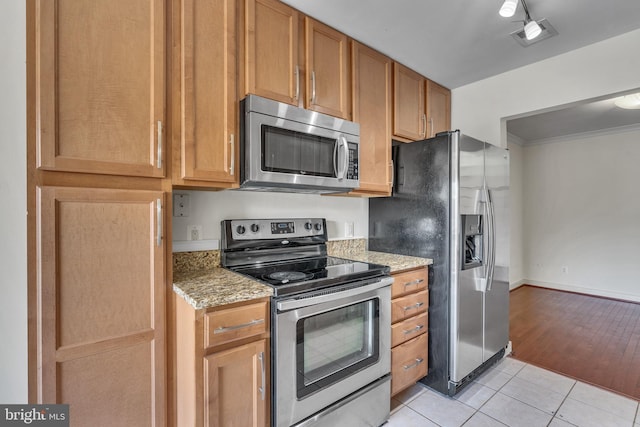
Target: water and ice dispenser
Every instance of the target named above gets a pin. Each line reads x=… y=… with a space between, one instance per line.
x=472 y=235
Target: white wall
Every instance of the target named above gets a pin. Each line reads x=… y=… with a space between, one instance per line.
x=516 y=260
x=582 y=211
x=600 y=69
x=209 y=208
x=13 y=193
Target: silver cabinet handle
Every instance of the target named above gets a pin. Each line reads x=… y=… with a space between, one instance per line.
x=222 y=329
x=159 y=222
x=431 y=126
x=424 y=125
x=418 y=361
x=413 y=282
x=393 y=172
x=297 y=73
x=159 y=164
x=414 y=330
x=413 y=307
x=232 y=162
x=313 y=87
x=264 y=386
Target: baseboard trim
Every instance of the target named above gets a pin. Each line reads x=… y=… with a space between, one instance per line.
x=515 y=285
x=582 y=290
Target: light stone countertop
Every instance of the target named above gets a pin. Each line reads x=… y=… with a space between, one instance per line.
x=395 y=262
x=217 y=286
x=200 y=280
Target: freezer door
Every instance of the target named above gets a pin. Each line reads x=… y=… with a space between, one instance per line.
x=496 y=306
x=467 y=286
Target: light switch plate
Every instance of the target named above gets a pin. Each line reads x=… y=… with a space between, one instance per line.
x=180 y=205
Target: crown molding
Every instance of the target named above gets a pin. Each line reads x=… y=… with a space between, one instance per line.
x=583 y=135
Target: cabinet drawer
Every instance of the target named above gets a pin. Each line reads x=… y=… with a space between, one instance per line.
x=408 y=329
x=235 y=323
x=411 y=281
x=409 y=363
x=408 y=306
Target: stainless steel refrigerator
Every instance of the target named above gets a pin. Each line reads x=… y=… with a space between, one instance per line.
x=450 y=203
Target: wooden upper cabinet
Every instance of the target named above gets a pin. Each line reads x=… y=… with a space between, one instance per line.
x=371 y=95
x=438 y=109
x=208 y=144
x=281 y=63
x=326 y=65
x=409 y=119
x=100 y=86
x=421 y=108
x=271 y=37
x=101 y=304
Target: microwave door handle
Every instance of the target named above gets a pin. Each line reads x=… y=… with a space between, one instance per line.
x=335 y=160
x=345 y=156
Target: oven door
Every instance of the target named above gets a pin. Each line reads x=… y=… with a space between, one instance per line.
x=327 y=347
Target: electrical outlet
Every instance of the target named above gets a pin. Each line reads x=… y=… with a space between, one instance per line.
x=194 y=232
x=564 y=269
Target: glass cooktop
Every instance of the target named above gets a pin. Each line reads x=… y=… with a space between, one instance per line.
x=290 y=277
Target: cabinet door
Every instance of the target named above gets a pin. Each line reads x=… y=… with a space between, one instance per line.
x=438 y=109
x=100 y=86
x=236 y=390
x=271 y=36
x=371 y=89
x=327 y=71
x=101 y=305
x=409 y=119
x=209 y=99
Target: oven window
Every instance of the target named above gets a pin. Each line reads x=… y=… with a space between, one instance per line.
x=289 y=151
x=335 y=344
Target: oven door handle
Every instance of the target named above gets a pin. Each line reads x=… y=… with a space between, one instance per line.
x=306 y=302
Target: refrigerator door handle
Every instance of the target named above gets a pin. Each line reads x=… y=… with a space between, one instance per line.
x=492 y=240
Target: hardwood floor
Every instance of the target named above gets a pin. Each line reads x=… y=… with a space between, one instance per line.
x=592 y=339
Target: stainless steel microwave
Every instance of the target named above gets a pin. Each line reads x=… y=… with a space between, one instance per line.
x=286 y=148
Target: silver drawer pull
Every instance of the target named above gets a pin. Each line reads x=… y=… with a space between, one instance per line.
x=411 y=331
x=413 y=307
x=413 y=282
x=233 y=328
x=418 y=361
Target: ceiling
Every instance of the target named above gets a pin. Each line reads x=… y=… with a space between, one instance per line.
x=457 y=42
x=592 y=117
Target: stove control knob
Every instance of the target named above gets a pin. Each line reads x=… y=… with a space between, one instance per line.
x=308 y=226
x=240 y=229
x=255 y=228
x=318 y=226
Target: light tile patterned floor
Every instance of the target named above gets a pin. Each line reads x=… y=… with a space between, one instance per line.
x=515 y=394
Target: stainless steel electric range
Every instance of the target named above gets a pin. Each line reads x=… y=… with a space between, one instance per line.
x=331 y=322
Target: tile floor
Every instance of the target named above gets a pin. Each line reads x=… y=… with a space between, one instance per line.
x=515 y=394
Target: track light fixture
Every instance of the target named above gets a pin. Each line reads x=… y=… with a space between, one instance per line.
x=508 y=8
x=531 y=27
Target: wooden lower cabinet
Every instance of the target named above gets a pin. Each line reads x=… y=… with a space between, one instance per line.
x=101 y=299
x=222 y=364
x=235 y=392
x=408 y=363
x=409 y=325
